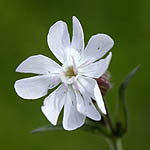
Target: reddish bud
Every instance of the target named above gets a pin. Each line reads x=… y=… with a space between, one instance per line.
x=104 y=83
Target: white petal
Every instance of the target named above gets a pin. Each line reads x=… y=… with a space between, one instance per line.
x=92 y=88
x=72 y=118
x=78 y=36
x=34 y=87
x=99 y=99
x=38 y=64
x=97 y=47
x=53 y=104
x=97 y=69
x=58 y=39
x=85 y=105
x=70 y=55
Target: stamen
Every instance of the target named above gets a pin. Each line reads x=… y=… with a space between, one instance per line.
x=74 y=65
x=83 y=64
x=75 y=83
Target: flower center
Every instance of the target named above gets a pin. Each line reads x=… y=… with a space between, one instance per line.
x=69 y=72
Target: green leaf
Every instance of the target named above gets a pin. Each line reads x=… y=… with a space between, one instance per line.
x=48 y=128
x=122 y=115
x=89 y=126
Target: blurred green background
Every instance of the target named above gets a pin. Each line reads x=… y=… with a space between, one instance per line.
x=24 y=26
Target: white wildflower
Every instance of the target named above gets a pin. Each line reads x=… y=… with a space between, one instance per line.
x=80 y=67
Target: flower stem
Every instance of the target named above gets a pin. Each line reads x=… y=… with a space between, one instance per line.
x=113 y=140
x=115 y=144
x=107 y=119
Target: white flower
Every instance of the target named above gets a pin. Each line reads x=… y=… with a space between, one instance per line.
x=80 y=67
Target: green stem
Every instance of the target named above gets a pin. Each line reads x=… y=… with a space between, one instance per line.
x=115 y=144
x=107 y=119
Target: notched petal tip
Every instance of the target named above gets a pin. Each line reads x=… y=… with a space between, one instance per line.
x=98 y=45
x=106 y=39
x=21 y=66
x=58 y=39
x=33 y=87
x=58 y=23
x=52 y=121
x=38 y=64
x=74 y=127
x=19 y=91
x=106 y=36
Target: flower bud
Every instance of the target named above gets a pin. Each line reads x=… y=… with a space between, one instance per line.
x=104 y=83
